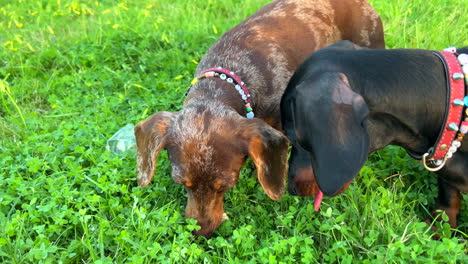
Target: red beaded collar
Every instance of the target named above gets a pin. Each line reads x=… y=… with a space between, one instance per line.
x=230 y=77
x=454 y=129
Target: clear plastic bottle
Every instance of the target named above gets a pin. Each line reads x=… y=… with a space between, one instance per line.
x=123 y=141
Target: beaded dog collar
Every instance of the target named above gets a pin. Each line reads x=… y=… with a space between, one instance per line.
x=229 y=77
x=455 y=126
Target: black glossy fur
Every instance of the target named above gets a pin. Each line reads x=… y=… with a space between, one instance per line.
x=345 y=102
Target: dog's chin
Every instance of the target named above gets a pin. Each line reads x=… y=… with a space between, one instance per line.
x=303 y=188
x=206 y=234
x=208 y=229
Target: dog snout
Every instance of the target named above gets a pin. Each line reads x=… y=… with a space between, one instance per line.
x=206 y=230
x=302 y=182
x=209 y=215
x=207 y=227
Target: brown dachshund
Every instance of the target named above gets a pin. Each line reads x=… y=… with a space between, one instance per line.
x=210 y=138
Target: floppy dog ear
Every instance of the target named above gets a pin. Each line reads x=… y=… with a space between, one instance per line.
x=268 y=148
x=330 y=123
x=151 y=139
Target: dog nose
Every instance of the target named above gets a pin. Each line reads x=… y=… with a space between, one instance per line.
x=204 y=233
x=207 y=228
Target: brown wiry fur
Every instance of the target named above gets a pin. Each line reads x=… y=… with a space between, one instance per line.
x=209 y=139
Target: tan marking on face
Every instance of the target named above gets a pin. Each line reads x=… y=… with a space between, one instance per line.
x=304 y=182
x=217 y=186
x=344 y=188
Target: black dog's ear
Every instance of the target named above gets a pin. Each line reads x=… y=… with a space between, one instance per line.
x=330 y=123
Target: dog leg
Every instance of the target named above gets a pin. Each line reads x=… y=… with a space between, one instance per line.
x=449 y=200
x=452 y=181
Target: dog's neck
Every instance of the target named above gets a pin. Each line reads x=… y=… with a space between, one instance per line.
x=406 y=105
x=216 y=92
x=231 y=78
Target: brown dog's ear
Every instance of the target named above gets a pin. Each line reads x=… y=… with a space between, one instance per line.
x=151 y=139
x=329 y=121
x=268 y=148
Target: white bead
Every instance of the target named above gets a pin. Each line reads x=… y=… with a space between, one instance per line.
x=241 y=92
x=238 y=88
x=449 y=155
x=465 y=69
x=452 y=149
x=229 y=80
x=451 y=49
x=223 y=76
x=244 y=97
x=456 y=143
x=463 y=59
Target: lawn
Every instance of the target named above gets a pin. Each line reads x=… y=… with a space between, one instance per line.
x=73 y=72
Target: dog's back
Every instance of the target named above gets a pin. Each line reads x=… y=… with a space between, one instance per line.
x=267 y=47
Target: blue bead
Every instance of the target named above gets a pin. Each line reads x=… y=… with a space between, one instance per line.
x=465 y=100
x=250 y=115
x=452 y=127
x=457 y=76
x=458 y=102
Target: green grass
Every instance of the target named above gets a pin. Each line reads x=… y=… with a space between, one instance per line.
x=73 y=72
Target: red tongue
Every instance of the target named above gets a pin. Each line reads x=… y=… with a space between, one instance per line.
x=318 y=200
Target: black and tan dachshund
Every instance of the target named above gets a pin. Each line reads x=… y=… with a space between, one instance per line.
x=344 y=102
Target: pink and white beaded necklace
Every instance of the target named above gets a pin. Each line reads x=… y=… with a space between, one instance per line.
x=230 y=77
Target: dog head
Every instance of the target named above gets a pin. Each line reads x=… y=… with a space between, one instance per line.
x=207 y=147
x=324 y=116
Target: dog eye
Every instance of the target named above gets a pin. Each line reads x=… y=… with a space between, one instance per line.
x=188 y=184
x=218 y=187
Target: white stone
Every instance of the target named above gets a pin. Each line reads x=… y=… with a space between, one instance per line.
x=463 y=59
